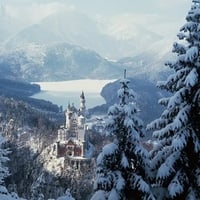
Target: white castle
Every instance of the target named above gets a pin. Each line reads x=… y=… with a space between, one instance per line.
x=72 y=137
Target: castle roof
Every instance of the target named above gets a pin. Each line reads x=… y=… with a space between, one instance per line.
x=82 y=95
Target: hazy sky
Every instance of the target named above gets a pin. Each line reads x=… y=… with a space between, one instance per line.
x=175 y=8
x=169 y=9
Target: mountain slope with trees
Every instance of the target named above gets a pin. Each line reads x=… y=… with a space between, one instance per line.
x=56 y=62
x=146 y=95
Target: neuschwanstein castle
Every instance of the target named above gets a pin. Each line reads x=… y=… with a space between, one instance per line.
x=72 y=140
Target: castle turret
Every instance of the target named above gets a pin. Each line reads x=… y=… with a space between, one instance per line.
x=82 y=104
x=71 y=122
x=68 y=116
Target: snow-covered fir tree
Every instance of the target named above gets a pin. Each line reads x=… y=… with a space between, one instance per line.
x=3 y=159
x=176 y=159
x=121 y=164
x=37 y=187
x=4 y=172
x=67 y=196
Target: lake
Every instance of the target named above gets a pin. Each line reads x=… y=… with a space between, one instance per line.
x=64 y=92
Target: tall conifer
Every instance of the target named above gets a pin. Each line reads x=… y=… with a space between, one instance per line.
x=121 y=164
x=176 y=159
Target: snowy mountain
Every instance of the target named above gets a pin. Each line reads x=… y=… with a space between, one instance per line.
x=59 y=61
x=63 y=61
x=62 y=46
x=131 y=37
x=36 y=52
x=150 y=64
x=112 y=39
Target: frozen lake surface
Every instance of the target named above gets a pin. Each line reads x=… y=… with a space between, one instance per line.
x=64 y=92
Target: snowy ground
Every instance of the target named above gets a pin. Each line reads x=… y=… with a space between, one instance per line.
x=64 y=92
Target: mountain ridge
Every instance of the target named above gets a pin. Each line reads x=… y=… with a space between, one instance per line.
x=109 y=39
x=63 y=61
x=60 y=61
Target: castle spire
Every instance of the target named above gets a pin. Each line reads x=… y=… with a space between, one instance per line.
x=82 y=103
x=82 y=96
x=125 y=74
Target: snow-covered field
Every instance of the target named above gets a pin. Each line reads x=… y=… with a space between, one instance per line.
x=64 y=92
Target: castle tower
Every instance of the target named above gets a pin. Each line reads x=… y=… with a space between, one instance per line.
x=68 y=116
x=71 y=122
x=82 y=104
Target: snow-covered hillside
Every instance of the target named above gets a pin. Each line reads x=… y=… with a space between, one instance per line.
x=55 y=62
x=63 y=61
x=146 y=95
